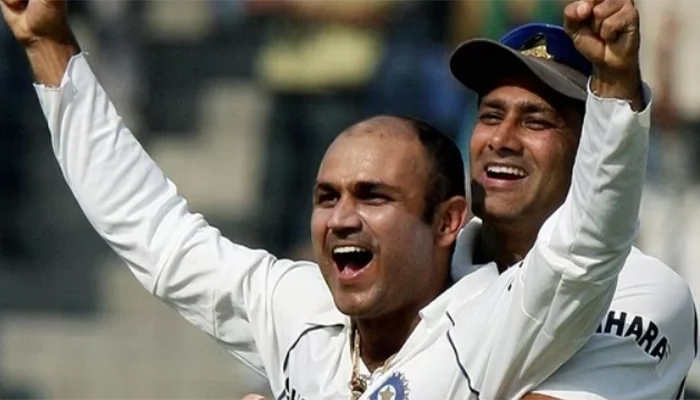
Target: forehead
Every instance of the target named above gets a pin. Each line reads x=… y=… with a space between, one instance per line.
x=515 y=92
x=528 y=96
x=397 y=159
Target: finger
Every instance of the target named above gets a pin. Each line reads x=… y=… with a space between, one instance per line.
x=592 y=3
x=604 y=10
x=584 y=9
x=611 y=28
x=587 y=42
x=575 y=14
x=620 y=23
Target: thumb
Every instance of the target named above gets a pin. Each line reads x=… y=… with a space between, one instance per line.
x=576 y=14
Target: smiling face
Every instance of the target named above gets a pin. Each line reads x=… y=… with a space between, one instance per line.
x=522 y=153
x=376 y=251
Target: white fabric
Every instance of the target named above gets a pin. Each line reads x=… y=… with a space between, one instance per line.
x=488 y=336
x=645 y=344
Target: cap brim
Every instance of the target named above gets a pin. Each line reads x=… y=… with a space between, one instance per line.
x=480 y=64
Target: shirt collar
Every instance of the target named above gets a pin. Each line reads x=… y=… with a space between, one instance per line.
x=463 y=258
x=329 y=317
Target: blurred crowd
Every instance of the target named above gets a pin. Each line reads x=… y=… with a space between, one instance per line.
x=323 y=65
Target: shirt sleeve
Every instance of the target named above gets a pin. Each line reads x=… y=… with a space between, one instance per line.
x=250 y=301
x=642 y=349
x=566 y=282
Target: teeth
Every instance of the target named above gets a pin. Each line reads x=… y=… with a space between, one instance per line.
x=502 y=169
x=348 y=249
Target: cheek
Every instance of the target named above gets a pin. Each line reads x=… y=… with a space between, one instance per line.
x=319 y=225
x=380 y=221
x=319 y=232
x=401 y=235
x=479 y=139
x=549 y=152
x=477 y=143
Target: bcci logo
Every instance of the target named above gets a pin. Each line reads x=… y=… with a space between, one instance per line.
x=395 y=388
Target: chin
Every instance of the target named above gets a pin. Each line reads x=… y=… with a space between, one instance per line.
x=355 y=305
x=498 y=210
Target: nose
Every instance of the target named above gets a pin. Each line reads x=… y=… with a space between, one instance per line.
x=505 y=140
x=344 y=220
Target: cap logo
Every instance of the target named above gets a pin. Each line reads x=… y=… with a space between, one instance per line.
x=536 y=47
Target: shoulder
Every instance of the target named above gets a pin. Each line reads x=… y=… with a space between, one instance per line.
x=653 y=304
x=645 y=343
x=647 y=283
x=299 y=282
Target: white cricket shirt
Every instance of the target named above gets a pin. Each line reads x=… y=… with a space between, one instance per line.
x=645 y=344
x=488 y=336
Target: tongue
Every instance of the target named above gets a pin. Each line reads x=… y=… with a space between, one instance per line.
x=350 y=270
x=354 y=266
x=351 y=265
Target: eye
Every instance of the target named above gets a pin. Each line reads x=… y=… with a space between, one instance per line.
x=325 y=199
x=378 y=198
x=537 y=124
x=373 y=197
x=490 y=118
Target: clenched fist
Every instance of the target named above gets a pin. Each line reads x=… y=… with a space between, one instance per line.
x=41 y=26
x=606 y=32
x=35 y=20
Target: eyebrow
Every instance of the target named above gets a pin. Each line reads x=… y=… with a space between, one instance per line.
x=526 y=106
x=364 y=184
x=323 y=186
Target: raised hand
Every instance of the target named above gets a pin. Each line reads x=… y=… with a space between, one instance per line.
x=606 y=32
x=35 y=20
x=41 y=26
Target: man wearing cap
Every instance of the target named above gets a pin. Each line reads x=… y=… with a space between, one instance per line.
x=532 y=87
x=493 y=334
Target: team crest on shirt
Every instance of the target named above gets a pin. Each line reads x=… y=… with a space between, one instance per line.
x=395 y=388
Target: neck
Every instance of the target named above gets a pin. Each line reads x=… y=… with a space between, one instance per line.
x=383 y=337
x=506 y=244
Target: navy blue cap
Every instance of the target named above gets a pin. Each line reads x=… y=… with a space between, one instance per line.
x=543 y=52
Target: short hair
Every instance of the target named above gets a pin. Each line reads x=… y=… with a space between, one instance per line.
x=446 y=178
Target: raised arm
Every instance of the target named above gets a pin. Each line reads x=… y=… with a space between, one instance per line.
x=246 y=299
x=566 y=282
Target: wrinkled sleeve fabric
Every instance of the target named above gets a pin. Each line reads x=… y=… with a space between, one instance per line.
x=566 y=283
x=644 y=346
x=247 y=299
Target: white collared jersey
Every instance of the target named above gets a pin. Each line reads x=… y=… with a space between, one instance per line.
x=644 y=345
x=488 y=336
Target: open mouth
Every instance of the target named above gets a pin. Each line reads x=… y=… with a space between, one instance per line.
x=505 y=172
x=351 y=259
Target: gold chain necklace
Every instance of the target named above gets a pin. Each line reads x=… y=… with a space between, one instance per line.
x=358 y=383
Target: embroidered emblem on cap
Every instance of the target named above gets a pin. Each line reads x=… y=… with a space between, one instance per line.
x=536 y=47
